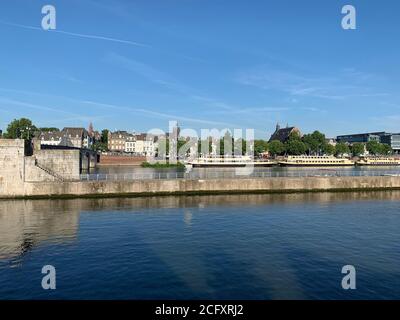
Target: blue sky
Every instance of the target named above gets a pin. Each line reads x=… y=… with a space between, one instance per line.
x=135 y=65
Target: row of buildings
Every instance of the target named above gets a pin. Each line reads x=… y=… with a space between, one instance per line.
x=141 y=144
x=138 y=144
x=118 y=141
x=391 y=139
x=147 y=145
x=69 y=137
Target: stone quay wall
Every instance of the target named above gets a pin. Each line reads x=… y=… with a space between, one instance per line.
x=182 y=186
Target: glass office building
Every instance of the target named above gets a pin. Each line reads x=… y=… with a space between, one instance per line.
x=361 y=137
x=392 y=139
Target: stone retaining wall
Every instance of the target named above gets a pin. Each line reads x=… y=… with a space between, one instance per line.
x=158 y=187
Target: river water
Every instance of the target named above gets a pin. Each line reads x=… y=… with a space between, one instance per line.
x=203 y=247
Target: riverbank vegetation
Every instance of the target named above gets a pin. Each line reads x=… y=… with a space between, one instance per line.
x=316 y=144
x=162 y=165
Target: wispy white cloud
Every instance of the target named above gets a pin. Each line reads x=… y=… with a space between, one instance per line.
x=390 y=104
x=167 y=81
x=70 y=78
x=79 y=118
x=254 y=111
x=117 y=8
x=220 y=107
x=158 y=114
x=214 y=103
x=345 y=84
x=36 y=93
x=9 y=102
x=75 y=34
x=387 y=122
x=149 y=72
x=75 y=116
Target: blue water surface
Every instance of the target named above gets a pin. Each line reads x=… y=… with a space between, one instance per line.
x=204 y=247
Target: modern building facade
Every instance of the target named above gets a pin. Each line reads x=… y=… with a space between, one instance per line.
x=360 y=137
x=391 y=139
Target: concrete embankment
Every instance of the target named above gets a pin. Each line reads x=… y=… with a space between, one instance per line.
x=187 y=187
x=45 y=174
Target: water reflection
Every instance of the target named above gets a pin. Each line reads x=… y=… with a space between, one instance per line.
x=202 y=247
x=26 y=224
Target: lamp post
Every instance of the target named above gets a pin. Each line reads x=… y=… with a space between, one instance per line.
x=26 y=130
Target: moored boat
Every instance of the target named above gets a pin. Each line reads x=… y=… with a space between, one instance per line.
x=316 y=161
x=379 y=161
x=229 y=162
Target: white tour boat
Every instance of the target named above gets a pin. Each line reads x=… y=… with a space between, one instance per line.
x=315 y=161
x=379 y=161
x=230 y=162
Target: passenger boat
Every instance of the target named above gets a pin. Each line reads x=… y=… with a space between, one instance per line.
x=316 y=161
x=379 y=161
x=230 y=162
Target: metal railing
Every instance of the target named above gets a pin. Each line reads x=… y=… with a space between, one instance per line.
x=234 y=175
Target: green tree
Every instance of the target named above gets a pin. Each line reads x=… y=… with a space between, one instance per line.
x=294 y=136
x=341 y=149
x=104 y=136
x=328 y=149
x=100 y=146
x=260 y=146
x=49 y=129
x=276 y=148
x=201 y=144
x=239 y=147
x=376 y=148
x=180 y=144
x=385 y=149
x=20 y=129
x=315 y=142
x=295 y=147
x=373 y=147
x=311 y=144
x=226 y=144
x=163 y=148
x=357 y=149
